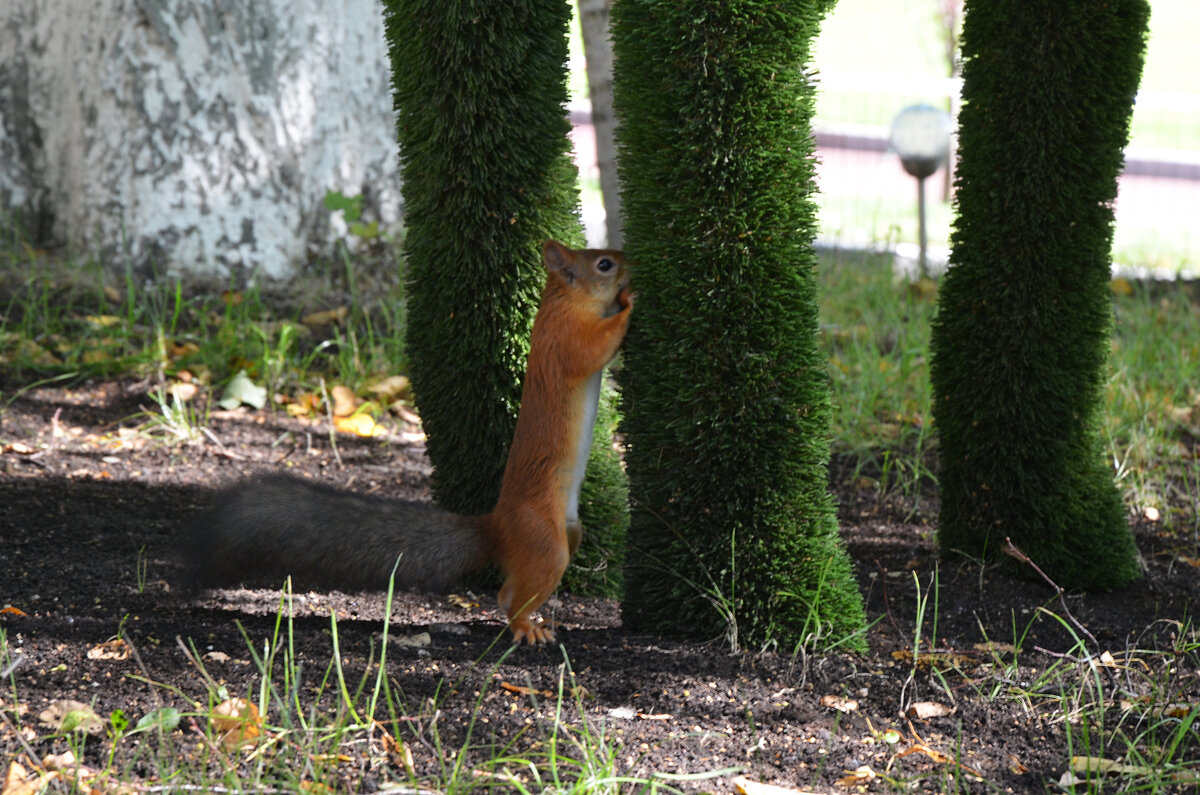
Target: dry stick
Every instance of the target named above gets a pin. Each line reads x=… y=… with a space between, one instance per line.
x=332 y=428
x=1013 y=551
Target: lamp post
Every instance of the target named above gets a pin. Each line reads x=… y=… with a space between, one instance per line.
x=921 y=137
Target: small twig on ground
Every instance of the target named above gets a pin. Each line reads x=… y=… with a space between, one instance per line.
x=221 y=448
x=1013 y=551
x=337 y=456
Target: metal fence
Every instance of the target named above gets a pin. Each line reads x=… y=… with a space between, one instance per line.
x=867 y=201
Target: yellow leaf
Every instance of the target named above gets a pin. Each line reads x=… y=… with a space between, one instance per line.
x=102 y=321
x=359 y=425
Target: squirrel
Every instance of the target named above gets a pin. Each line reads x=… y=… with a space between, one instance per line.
x=279 y=525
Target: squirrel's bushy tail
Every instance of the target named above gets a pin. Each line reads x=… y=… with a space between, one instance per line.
x=265 y=529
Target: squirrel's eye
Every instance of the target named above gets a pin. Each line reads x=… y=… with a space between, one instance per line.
x=605 y=265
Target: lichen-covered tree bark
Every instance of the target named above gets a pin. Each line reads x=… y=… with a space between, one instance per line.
x=193 y=137
x=725 y=387
x=1021 y=340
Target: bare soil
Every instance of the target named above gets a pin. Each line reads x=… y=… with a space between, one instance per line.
x=84 y=497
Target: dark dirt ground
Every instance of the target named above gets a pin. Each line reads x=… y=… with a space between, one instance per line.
x=82 y=494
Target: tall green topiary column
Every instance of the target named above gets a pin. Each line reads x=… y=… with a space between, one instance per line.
x=480 y=92
x=724 y=385
x=1023 y=330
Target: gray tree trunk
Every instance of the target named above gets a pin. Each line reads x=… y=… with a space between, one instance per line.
x=593 y=20
x=194 y=137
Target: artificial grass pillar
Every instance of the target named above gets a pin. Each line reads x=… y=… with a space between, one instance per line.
x=725 y=391
x=480 y=92
x=1021 y=340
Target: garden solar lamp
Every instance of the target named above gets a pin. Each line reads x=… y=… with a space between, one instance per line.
x=921 y=137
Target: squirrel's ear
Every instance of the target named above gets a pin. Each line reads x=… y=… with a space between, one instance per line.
x=554 y=254
x=558 y=259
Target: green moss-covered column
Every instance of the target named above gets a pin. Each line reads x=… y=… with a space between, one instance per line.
x=1023 y=330
x=480 y=92
x=724 y=385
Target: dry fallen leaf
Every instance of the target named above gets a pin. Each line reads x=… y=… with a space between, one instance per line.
x=860 y=775
x=839 y=703
x=391 y=388
x=406 y=414
x=344 y=400
x=69 y=715
x=114 y=649
x=1096 y=764
x=939 y=757
x=238 y=721
x=183 y=391
x=64 y=761
x=526 y=691
x=398 y=752
x=217 y=656
x=745 y=786
x=17 y=780
x=326 y=316
x=177 y=350
x=924 y=710
x=419 y=640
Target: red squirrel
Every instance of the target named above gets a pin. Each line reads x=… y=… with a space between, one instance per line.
x=276 y=525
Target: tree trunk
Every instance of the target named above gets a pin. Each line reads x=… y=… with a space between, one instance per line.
x=1024 y=325
x=193 y=137
x=724 y=382
x=480 y=95
x=593 y=19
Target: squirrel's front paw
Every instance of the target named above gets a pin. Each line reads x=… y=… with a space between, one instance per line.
x=625 y=297
x=531 y=631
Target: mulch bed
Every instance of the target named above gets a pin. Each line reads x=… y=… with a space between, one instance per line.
x=83 y=497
